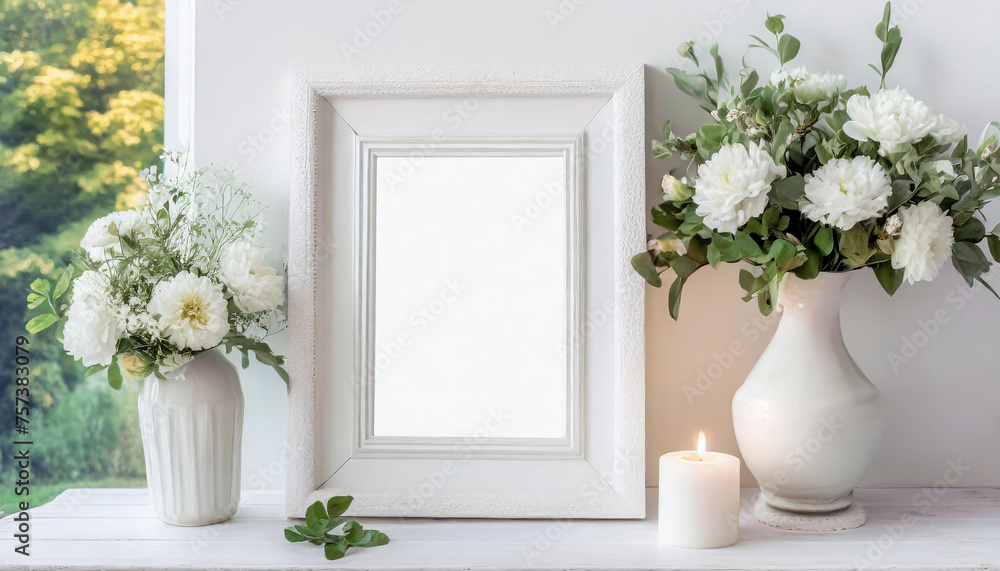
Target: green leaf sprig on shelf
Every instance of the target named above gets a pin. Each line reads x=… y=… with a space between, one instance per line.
x=158 y=284
x=802 y=175
x=321 y=521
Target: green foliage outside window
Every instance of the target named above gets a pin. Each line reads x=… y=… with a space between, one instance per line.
x=81 y=113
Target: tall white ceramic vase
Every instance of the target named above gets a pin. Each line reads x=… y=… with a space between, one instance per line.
x=808 y=421
x=192 y=427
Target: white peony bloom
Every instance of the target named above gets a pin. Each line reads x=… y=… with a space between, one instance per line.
x=890 y=117
x=732 y=186
x=93 y=325
x=255 y=285
x=101 y=244
x=192 y=310
x=949 y=130
x=924 y=242
x=811 y=88
x=844 y=192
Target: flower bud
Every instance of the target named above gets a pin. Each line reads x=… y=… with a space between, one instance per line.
x=668 y=242
x=135 y=365
x=674 y=189
x=893 y=225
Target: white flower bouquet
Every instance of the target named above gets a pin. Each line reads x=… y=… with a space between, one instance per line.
x=176 y=276
x=803 y=175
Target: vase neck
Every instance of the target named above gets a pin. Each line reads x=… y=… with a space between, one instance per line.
x=817 y=299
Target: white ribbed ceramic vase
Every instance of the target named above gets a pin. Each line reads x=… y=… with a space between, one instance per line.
x=192 y=426
x=808 y=421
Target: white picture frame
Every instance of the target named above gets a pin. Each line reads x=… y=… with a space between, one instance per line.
x=344 y=116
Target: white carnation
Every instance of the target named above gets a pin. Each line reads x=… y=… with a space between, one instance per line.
x=255 y=285
x=732 y=186
x=192 y=311
x=844 y=192
x=93 y=324
x=890 y=117
x=102 y=240
x=924 y=243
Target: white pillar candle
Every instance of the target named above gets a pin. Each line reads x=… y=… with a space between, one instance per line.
x=699 y=498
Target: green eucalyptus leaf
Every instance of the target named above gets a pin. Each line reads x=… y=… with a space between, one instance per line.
x=308 y=532
x=316 y=515
x=684 y=266
x=855 y=245
x=883 y=26
x=788 y=191
x=747 y=247
x=823 y=240
x=42 y=286
x=695 y=86
x=643 y=264
x=353 y=532
x=888 y=277
x=293 y=536
x=674 y=298
x=774 y=24
x=969 y=260
x=666 y=218
x=334 y=551
x=993 y=241
x=63 y=284
x=40 y=322
x=372 y=538
x=748 y=81
x=782 y=252
x=972 y=231
x=788 y=48
x=115 y=375
x=337 y=505
x=710 y=139
x=810 y=268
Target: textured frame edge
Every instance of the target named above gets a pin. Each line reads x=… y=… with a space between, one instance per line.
x=309 y=85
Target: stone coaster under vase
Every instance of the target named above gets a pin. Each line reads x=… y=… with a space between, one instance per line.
x=848 y=518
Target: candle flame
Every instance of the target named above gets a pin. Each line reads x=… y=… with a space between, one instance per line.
x=701 y=443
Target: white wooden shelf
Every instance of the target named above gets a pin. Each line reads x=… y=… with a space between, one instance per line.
x=116 y=529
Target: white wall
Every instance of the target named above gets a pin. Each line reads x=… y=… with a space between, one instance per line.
x=943 y=403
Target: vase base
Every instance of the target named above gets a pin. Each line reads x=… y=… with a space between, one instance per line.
x=197 y=523
x=848 y=518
